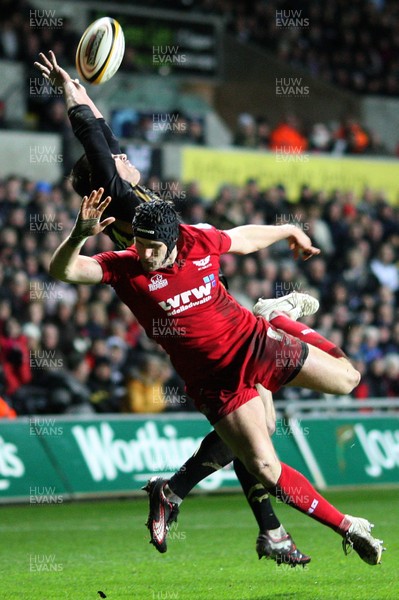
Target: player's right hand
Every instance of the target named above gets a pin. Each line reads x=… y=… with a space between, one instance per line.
x=51 y=70
x=88 y=220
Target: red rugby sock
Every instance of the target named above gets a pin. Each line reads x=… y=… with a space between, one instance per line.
x=294 y=489
x=306 y=334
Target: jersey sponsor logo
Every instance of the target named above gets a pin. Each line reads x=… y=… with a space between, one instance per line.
x=188 y=299
x=157 y=282
x=210 y=279
x=203 y=263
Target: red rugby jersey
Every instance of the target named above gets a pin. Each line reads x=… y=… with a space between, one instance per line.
x=184 y=307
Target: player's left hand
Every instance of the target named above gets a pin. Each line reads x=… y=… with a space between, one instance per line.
x=300 y=243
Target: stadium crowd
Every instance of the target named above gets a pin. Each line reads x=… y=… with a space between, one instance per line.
x=77 y=349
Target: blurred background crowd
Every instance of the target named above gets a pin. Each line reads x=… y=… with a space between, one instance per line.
x=353 y=47
x=78 y=349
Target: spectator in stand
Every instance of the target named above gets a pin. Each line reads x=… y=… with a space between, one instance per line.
x=287 y=136
x=318 y=229
x=196 y=132
x=385 y=269
x=246 y=131
x=5 y=313
x=17 y=289
x=64 y=321
x=14 y=357
x=6 y=412
x=70 y=390
x=176 y=128
x=263 y=130
x=117 y=352
x=370 y=348
x=145 y=386
x=105 y=395
x=354 y=296
x=351 y=138
x=320 y=138
x=392 y=375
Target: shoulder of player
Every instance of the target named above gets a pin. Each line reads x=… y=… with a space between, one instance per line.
x=199 y=240
x=118 y=256
x=199 y=230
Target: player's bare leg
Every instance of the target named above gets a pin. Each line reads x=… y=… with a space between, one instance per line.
x=337 y=373
x=245 y=431
x=268 y=405
x=326 y=374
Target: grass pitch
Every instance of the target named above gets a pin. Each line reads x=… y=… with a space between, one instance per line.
x=74 y=551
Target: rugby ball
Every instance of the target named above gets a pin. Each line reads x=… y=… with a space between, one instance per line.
x=100 y=51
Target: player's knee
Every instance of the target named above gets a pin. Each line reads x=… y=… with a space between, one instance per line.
x=350 y=381
x=266 y=471
x=353 y=379
x=271 y=426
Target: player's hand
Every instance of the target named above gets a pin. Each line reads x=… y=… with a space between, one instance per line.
x=300 y=243
x=88 y=220
x=51 y=70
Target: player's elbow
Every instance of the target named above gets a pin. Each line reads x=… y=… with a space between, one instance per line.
x=58 y=272
x=243 y=246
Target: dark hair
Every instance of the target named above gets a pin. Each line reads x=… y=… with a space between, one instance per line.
x=81 y=177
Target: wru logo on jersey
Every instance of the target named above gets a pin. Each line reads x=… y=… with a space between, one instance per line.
x=157 y=282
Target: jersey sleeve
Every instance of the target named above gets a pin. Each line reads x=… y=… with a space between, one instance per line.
x=114 y=265
x=89 y=131
x=100 y=143
x=112 y=140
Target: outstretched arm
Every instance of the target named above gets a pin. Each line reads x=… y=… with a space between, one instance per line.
x=74 y=92
x=75 y=95
x=251 y=238
x=66 y=263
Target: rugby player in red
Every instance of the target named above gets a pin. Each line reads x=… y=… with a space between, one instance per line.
x=222 y=350
x=103 y=164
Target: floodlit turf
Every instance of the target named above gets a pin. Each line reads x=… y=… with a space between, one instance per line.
x=74 y=551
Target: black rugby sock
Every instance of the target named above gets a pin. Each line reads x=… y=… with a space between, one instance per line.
x=258 y=498
x=212 y=455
